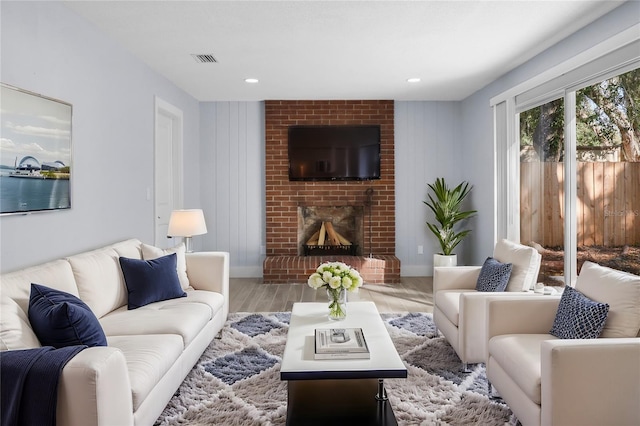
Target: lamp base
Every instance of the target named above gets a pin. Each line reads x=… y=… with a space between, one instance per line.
x=187 y=244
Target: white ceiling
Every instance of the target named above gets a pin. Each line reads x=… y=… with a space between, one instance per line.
x=338 y=49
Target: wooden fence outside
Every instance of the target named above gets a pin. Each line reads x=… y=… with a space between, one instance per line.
x=608 y=203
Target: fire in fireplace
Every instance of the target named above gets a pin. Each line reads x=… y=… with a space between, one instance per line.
x=326 y=230
x=327 y=240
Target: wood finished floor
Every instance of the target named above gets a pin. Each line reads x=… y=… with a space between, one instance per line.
x=412 y=294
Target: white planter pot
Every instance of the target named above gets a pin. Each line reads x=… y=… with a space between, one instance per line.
x=442 y=260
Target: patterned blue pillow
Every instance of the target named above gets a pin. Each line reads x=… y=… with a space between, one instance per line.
x=494 y=275
x=578 y=317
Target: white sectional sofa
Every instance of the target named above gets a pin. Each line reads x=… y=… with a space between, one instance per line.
x=150 y=349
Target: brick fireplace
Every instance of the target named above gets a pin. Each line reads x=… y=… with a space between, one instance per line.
x=372 y=202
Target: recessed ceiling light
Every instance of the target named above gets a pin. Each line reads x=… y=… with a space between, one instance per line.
x=251 y=80
x=413 y=80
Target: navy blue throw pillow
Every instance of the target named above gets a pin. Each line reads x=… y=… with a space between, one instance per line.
x=60 y=319
x=494 y=275
x=578 y=317
x=152 y=280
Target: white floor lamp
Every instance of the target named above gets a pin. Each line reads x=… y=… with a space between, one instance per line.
x=187 y=223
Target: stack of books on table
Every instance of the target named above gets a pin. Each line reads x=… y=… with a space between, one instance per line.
x=340 y=343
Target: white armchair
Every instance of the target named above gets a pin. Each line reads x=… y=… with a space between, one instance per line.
x=550 y=381
x=460 y=310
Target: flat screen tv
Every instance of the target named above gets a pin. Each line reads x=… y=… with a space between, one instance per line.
x=321 y=153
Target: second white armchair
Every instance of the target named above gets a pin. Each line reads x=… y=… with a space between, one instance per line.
x=551 y=381
x=459 y=309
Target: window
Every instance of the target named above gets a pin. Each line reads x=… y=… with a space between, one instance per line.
x=608 y=172
x=591 y=162
x=542 y=186
x=592 y=194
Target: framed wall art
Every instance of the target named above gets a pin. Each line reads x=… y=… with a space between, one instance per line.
x=35 y=152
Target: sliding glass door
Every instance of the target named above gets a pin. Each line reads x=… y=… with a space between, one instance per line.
x=542 y=186
x=601 y=174
x=608 y=172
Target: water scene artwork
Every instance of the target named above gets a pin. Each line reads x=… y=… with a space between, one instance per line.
x=35 y=152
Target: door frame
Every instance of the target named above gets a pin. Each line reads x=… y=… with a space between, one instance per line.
x=164 y=108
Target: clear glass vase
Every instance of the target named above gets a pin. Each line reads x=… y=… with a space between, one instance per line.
x=337 y=303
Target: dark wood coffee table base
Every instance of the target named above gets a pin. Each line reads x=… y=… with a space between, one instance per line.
x=337 y=402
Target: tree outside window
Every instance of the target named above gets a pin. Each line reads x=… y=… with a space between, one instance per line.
x=607 y=177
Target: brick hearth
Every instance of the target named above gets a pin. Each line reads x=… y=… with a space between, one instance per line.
x=287 y=269
x=283 y=262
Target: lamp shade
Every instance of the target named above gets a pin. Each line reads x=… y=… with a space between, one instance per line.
x=186 y=223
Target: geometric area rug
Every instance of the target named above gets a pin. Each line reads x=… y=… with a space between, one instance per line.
x=237 y=379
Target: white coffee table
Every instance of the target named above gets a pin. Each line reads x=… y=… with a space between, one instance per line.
x=340 y=391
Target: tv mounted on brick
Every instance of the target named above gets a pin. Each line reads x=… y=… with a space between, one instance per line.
x=326 y=153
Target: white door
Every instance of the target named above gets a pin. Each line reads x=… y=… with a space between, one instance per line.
x=168 y=168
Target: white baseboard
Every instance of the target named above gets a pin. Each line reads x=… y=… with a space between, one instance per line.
x=416 y=270
x=245 y=271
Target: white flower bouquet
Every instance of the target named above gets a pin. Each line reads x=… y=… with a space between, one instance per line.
x=337 y=278
x=335 y=275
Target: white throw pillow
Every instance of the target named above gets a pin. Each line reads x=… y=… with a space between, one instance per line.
x=152 y=252
x=620 y=290
x=99 y=280
x=525 y=260
x=15 y=328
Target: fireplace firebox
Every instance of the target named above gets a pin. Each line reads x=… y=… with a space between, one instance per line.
x=330 y=230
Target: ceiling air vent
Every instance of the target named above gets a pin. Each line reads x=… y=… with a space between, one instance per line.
x=204 y=59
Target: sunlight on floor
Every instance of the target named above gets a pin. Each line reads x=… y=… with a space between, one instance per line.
x=412 y=294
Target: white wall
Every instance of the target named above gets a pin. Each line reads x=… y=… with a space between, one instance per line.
x=112 y=94
x=48 y=49
x=427 y=141
x=477 y=163
x=233 y=178
x=232 y=170
x=477 y=118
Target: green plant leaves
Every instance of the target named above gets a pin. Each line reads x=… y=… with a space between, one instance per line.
x=446 y=207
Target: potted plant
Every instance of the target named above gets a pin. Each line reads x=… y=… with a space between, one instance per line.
x=446 y=205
